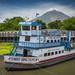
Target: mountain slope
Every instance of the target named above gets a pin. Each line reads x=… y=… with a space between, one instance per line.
x=52 y=16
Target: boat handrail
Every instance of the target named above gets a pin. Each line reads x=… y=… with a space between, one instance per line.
x=38 y=45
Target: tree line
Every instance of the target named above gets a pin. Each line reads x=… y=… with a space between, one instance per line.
x=67 y=24
x=12 y=24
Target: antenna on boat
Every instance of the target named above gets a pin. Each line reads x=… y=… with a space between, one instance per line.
x=36 y=17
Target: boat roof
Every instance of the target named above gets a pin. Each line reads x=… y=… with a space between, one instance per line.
x=33 y=23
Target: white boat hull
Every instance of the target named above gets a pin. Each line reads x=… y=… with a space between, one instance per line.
x=10 y=65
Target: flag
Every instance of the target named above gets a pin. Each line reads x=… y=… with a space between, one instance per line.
x=37 y=14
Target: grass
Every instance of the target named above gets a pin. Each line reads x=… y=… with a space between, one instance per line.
x=5 y=48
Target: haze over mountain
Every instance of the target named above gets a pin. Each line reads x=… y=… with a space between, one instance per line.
x=28 y=8
x=52 y=16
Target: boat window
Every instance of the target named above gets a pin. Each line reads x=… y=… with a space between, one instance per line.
x=52 y=53
x=62 y=51
x=47 y=41
x=54 y=40
x=27 y=38
x=25 y=52
x=56 y=52
x=51 y=41
x=62 y=39
x=33 y=27
x=26 y=27
x=59 y=52
x=65 y=39
x=45 y=54
x=48 y=54
x=58 y=40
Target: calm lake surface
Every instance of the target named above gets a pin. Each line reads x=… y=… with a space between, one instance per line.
x=65 y=68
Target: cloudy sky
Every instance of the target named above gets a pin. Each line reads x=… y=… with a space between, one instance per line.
x=29 y=8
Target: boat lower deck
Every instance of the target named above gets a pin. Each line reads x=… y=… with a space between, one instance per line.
x=10 y=65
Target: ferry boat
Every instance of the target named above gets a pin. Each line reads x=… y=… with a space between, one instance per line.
x=39 y=47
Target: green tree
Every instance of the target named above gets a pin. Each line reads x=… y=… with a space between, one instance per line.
x=11 y=24
x=42 y=23
x=55 y=24
x=2 y=26
x=69 y=24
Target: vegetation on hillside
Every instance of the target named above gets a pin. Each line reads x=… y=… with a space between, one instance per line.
x=67 y=24
x=12 y=24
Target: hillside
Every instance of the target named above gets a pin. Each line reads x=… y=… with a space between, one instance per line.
x=52 y=16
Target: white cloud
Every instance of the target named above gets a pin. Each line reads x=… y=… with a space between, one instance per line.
x=31 y=12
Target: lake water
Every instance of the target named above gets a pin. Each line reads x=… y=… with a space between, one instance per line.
x=65 y=68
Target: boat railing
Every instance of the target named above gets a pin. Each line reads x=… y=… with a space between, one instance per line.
x=18 y=59
x=37 y=45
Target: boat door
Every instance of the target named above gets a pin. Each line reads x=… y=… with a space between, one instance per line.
x=25 y=52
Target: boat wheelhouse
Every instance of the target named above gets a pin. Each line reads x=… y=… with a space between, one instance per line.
x=39 y=47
